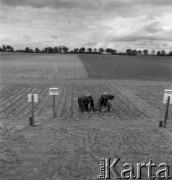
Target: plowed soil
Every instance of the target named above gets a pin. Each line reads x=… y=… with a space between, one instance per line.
x=70 y=146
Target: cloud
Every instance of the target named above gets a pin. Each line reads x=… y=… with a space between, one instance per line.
x=112 y=23
x=57 y=4
x=54 y=36
x=153 y=27
x=133 y=38
x=86 y=4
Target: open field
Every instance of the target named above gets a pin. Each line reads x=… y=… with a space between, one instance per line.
x=35 y=66
x=70 y=146
x=128 y=67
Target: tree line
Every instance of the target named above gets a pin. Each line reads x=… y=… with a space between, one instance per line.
x=63 y=50
x=146 y=52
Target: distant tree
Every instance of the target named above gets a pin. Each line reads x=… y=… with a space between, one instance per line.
x=46 y=49
x=4 y=48
x=76 y=50
x=122 y=53
x=50 y=50
x=139 y=52
x=60 y=49
x=170 y=53
x=101 y=50
x=145 y=51
x=163 y=53
x=9 y=48
x=65 y=49
x=56 y=49
x=153 y=52
x=82 y=50
x=12 y=49
x=94 y=50
x=134 y=52
x=89 y=50
x=108 y=50
x=129 y=52
x=27 y=49
x=31 y=51
x=113 y=51
x=37 y=50
x=158 y=53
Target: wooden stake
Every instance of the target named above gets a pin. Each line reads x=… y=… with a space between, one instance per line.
x=32 y=110
x=54 y=105
x=166 y=113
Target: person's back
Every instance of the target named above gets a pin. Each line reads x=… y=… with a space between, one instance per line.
x=84 y=101
x=103 y=101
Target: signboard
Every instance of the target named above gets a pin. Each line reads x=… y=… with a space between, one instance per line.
x=35 y=97
x=53 y=91
x=167 y=93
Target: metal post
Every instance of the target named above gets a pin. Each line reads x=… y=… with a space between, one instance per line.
x=166 y=113
x=32 y=109
x=54 y=105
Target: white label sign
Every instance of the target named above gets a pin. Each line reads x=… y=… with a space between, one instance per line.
x=167 y=93
x=53 y=91
x=35 y=97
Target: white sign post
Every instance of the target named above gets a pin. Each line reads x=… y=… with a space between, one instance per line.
x=53 y=92
x=32 y=98
x=167 y=93
x=35 y=97
x=167 y=100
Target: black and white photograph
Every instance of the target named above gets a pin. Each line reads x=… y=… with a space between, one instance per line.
x=85 y=89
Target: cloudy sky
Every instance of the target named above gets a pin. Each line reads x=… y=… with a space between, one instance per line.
x=118 y=24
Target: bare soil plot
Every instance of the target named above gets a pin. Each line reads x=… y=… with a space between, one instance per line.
x=128 y=67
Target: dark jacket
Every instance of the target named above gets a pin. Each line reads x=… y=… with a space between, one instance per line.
x=84 y=101
x=103 y=101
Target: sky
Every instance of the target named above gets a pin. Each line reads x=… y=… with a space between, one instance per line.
x=117 y=24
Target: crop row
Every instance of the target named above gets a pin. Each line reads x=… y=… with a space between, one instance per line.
x=151 y=94
x=14 y=103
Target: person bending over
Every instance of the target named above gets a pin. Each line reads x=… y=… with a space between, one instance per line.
x=103 y=102
x=84 y=102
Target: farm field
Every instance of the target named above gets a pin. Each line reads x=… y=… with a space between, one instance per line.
x=128 y=67
x=70 y=146
x=39 y=66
